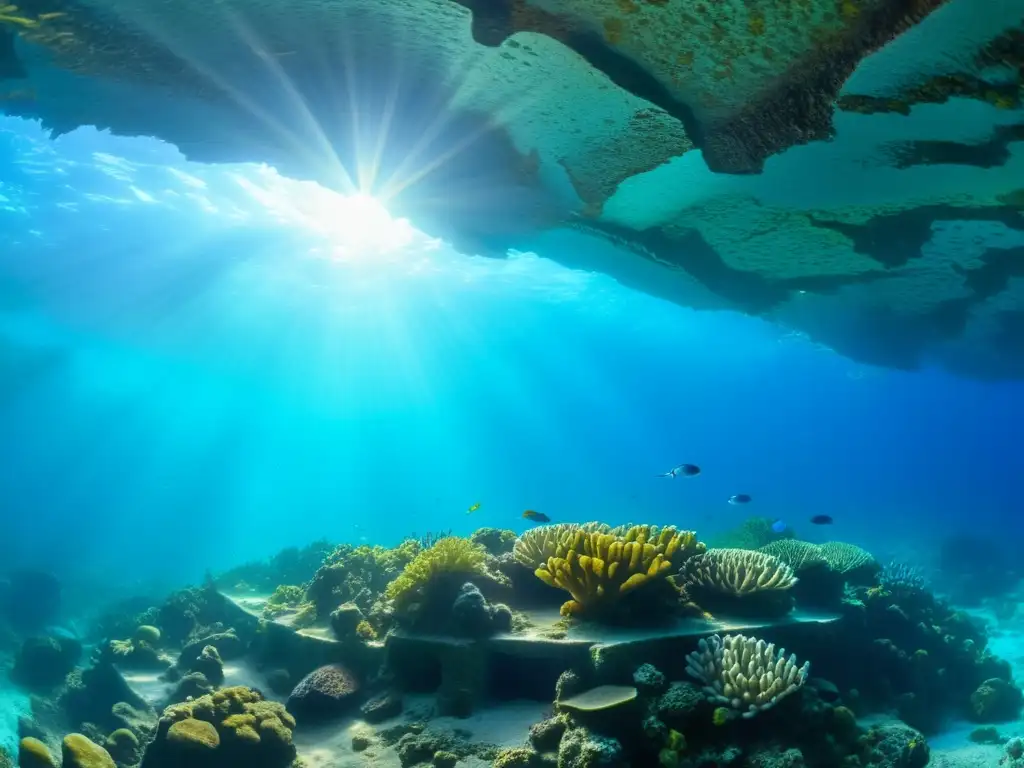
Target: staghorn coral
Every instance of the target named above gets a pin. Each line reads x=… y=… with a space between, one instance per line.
x=737 y=581
x=745 y=673
x=599 y=568
x=450 y=555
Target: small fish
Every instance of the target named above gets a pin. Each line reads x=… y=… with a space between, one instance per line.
x=683 y=470
x=740 y=498
x=822 y=520
x=779 y=526
x=537 y=517
x=473 y=508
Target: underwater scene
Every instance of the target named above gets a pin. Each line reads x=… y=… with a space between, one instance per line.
x=512 y=383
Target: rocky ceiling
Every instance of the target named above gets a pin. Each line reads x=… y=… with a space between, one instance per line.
x=851 y=169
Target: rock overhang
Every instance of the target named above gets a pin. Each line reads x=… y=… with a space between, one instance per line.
x=882 y=217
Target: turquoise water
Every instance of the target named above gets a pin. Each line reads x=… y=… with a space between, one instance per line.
x=205 y=364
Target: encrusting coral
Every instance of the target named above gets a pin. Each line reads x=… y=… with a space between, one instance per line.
x=745 y=673
x=597 y=569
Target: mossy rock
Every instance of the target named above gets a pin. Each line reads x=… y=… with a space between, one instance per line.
x=32 y=753
x=192 y=734
x=80 y=752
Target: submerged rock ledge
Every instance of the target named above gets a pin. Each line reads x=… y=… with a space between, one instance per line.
x=850 y=170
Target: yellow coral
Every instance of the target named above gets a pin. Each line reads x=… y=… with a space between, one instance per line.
x=601 y=567
x=449 y=555
x=539 y=544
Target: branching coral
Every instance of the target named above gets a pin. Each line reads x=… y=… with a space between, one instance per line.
x=451 y=555
x=745 y=673
x=599 y=568
x=537 y=545
x=737 y=572
x=737 y=581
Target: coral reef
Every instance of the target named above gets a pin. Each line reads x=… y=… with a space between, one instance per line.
x=738 y=581
x=753 y=533
x=234 y=726
x=856 y=565
x=597 y=569
x=745 y=673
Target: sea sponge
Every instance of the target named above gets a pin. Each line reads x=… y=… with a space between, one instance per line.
x=599 y=568
x=745 y=673
x=450 y=555
x=739 y=581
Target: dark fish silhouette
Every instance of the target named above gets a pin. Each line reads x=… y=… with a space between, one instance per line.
x=683 y=470
x=822 y=520
x=740 y=498
x=536 y=517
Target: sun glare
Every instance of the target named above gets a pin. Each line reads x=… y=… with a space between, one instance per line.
x=353 y=227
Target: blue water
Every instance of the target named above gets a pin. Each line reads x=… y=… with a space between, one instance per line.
x=194 y=374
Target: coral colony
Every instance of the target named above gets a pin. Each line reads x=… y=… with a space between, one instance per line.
x=640 y=646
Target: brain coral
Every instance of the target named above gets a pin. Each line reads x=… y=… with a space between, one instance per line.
x=234 y=726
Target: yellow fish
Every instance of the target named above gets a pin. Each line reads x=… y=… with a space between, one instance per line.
x=51 y=15
x=473 y=508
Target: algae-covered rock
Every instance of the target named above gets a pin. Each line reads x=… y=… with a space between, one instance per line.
x=995 y=701
x=124 y=746
x=497 y=541
x=648 y=679
x=191 y=735
x=45 y=661
x=232 y=727
x=580 y=748
x=515 y=757
x=326 y=692
x=32 y=753
x=345 y=620
x=80 y=752
x=444 y=759
x=545 y=735
x=680 y=704
x=382 y=707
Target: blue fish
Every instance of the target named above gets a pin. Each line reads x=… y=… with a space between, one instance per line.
x=779 y=526
x=740 y=498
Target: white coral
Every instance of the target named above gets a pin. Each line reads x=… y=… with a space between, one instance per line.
x=745 y=673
